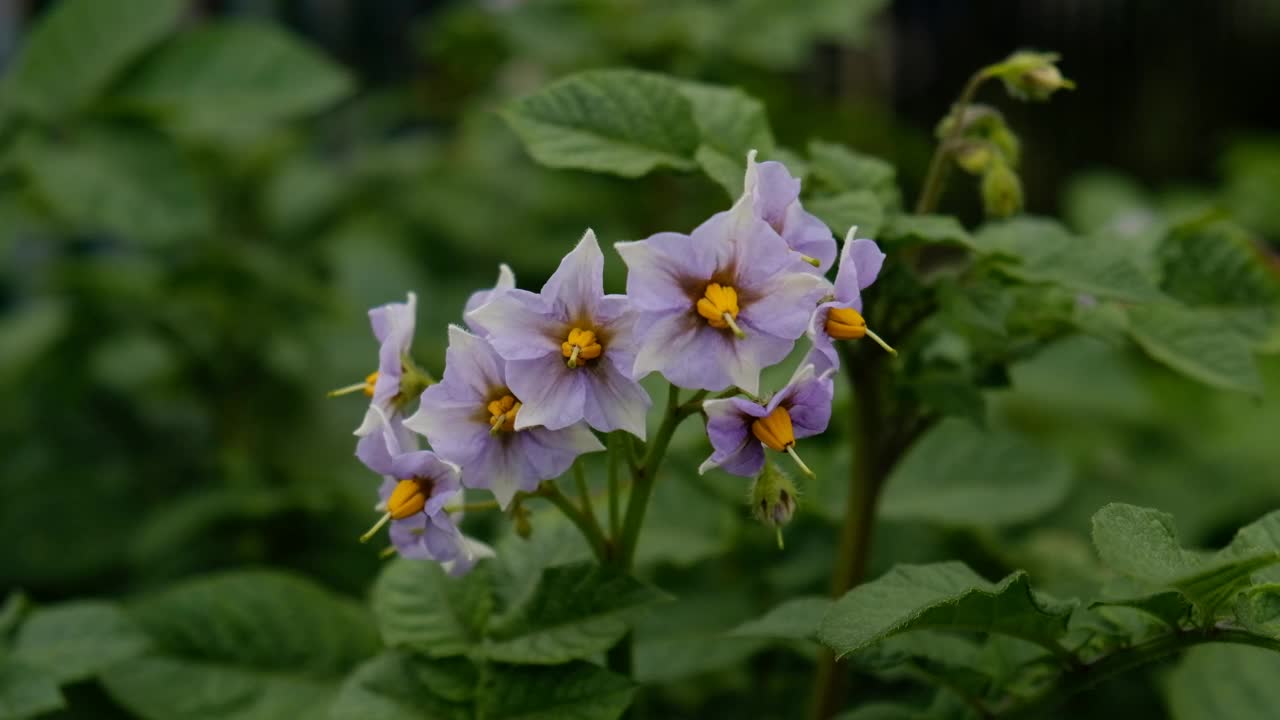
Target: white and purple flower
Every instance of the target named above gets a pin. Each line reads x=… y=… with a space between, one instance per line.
x=569 y=349
x=716 y=307
x=740 y=429
x=841 y=318
x=775 y=198
x=396 y=381
x=471 y=418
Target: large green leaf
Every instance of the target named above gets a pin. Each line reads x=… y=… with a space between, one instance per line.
x=730 y=123
x=941 y=229
x=576 y=611
x=132 y=184
x=399 y=686
x=1143 y=544
x=1221 y=682
x=234 y=75
x=1217 y=264
x=942 y=596
x=615 y=121
x=846 y=209
x=241 y=646
x=959 y=474
x=687 y=637
x=575 y=691
x=26 y=691
x=795 y=619
x=838 y=169
x=419 y=607
x=77 y=640
x=1201 y=344
x=80 y=46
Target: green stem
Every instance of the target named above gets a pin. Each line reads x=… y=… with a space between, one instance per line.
x=586 y=524
x=865 y=479
x=584 y=495
x=616 y=449
x=1089 y=675
x=936 y=178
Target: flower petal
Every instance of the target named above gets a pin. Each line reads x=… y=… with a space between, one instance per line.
x=810 y=236
x=860 y=263
x=506 y=281
x=612 y=400
x=578 y=283
x=550 y=393
x=660 y=267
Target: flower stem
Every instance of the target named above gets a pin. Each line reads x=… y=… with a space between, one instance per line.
x=616 y=450
x=584 y=495
x=936 y=179
x=1089 y=675
x=589 y=528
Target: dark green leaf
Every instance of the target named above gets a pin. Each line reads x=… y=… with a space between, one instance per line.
x=731 y=123
x=842 y=211
x=1170 y=608
x=940 y=229
x=1225 y=682
x=839 y=169
x=25 y=691
x=77 y=640
x=795 y=619
x=418 y=606
x=1200 y=344
x=1258 y=609
x=80 y=46
x=1217 y=264
x=941 y=596
x=959 y=474
x=395 y=686
x=615 y=121
x=575 y=612
x=576 y=691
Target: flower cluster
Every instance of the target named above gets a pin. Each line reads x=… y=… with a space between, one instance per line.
x=534 y=378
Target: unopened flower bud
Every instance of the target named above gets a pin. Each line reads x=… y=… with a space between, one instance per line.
x=773 y=498
x=974 y=157
x=1001 y=191
x=520 y=520
x=1032 y=76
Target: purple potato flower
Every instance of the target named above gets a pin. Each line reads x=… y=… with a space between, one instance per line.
x=569 y=349
x=506 y=281
x=716 y=307
x=393 y=326
x=775 y=198
x=470 y=418
x=417 y=485
x=841 y=318
x=740 y=429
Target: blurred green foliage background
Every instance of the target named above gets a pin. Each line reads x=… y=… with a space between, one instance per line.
x=191 y=231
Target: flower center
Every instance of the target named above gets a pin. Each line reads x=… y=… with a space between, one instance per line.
x=503 y=414
x=409 y=497
x=719 y=307
x=774 y=430
x=846 y=324
x=580 y=345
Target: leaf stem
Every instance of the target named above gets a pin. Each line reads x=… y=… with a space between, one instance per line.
x=936 y=178
x=616 y=449
x=1088 y=675
x=585 y=522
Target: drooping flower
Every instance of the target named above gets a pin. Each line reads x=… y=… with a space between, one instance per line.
x=775 y=198
x=740 y=429
x=417 y=485
x=569 y=349
x=506 y=281
x=841 y=318
x=717 y=306
x=470 y=418
x=397 y=381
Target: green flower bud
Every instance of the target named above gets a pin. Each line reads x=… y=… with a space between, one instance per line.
x=1001 y=191
x=773 y=498
x=974 y=157
x=520 y=519
x=1032 y=75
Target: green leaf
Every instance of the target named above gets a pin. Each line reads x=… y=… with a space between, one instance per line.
x=1042 y=251
x=1143 y=544
x=419 y=607
x=795 y=619
x=1258 y=609
x=132 y=184
x=946 y=596
x=686 y=637
x=80 y=46
x=26 y=691
x=959 y=474
x=940 y=229
x=622 y=122
x=520 y=562
x=1217 y=264
x=730 y=123
x=241 y=645
x=839 y=169
x=235 y=75
x=1217 y=682
x=1170 y=608
x=575 y=691
x=857 y=207
x=575 y=612
x=399 y=686
x=77 y=640
x=1200 y=344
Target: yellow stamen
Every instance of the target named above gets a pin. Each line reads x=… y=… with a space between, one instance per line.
x=774 y=430
x=503 y=414
x=409 y=497
x=387 y=552
x=366 y=386
x=719 y=307
x=386 y=517
x=848 y=324
x=791 y=450
x=811 y=260
x=580 y=345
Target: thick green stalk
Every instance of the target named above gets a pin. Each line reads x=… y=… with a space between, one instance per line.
x=1089 y=675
